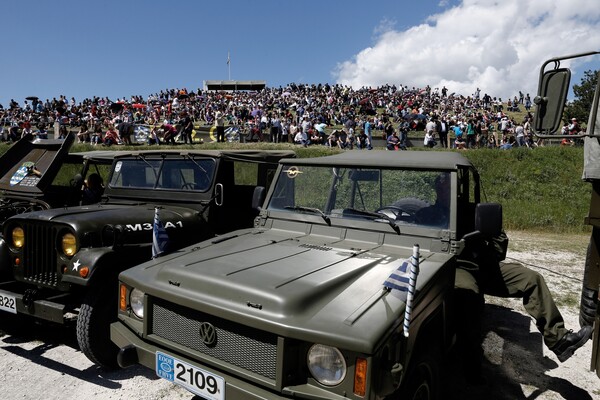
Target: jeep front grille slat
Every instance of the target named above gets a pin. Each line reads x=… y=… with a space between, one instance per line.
x=237 y=345
x=39 y=258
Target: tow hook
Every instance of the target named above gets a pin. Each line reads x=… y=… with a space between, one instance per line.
x=28 y=298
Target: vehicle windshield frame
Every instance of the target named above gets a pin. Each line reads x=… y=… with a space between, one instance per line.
x=165 y=174
x=352 y=194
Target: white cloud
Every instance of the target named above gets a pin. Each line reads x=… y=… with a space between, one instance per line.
x=498 y=46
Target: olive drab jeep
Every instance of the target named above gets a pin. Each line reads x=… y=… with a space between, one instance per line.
x=64 y=262
x=311 y=303
x=553 y=87
x=41 y=174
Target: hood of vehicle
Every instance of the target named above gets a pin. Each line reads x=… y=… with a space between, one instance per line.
x=44 y=158
x=101 y=214
x=297 y=286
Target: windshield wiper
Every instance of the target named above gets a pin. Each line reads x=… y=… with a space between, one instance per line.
x=379 y=215
x=311 y=210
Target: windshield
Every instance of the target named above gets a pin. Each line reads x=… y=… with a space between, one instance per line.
x=414 y=197
x=169 y=174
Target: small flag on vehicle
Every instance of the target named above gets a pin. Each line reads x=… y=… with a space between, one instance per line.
x=399 y=280
x=403 y=281
x=160 y=238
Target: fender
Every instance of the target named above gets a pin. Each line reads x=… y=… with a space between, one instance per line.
x=102 y=261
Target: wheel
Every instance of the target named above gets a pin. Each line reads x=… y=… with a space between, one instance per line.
x=589 y=295
x=98 y=311
x=423 y=381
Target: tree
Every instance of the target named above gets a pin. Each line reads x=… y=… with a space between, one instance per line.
x=584 y=97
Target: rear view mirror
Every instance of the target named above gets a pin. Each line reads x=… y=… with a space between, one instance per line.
x=550 y=100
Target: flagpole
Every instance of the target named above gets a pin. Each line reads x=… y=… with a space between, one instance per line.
x=414 y=272
x=228 y=66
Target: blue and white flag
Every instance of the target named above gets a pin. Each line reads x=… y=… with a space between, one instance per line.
x=160 y=238
x=399 y=280
x=402 y=283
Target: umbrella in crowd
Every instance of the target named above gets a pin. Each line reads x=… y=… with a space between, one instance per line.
x=116 y=106
x=32 y=98
x=138 y=105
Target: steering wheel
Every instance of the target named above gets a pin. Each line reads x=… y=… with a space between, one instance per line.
x=189 y=186
x=397 y=212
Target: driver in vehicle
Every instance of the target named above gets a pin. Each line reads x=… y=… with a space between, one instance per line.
x=437 y=214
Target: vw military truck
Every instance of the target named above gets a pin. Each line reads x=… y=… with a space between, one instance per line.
x=300 y=306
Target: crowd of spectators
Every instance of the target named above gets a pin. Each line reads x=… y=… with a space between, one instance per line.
x=332 y=115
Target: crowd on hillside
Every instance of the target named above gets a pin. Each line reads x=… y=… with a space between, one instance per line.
x=334 y=115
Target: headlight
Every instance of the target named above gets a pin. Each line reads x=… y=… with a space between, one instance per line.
x=18 y=237
x=69 y=244
x=326 y=364
x=136 y=299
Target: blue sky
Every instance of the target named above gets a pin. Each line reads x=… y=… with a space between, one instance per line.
x=119 y=48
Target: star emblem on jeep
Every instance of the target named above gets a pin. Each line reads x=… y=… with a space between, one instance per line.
x=208 y=334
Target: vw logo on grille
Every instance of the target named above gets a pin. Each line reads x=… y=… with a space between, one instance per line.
x=208 y=334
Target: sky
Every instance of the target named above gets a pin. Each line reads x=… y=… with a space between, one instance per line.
x=121 y=48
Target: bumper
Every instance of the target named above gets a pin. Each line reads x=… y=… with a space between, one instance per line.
x=133 y=350
x=52 y=308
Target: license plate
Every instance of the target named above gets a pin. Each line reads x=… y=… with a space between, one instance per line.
x=196 y=380
x=8 y=303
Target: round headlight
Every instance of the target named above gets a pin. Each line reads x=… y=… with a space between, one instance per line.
x=326 y=364
x=69 y=244
x=136 y=299
x=18 y=237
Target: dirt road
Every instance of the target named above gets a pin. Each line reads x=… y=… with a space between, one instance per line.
x=44 y=363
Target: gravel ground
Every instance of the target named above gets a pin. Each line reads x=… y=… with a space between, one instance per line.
x=45 y=363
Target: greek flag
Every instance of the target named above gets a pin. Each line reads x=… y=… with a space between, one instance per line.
x=160 y=239
x=402 y=283
x=399 y=280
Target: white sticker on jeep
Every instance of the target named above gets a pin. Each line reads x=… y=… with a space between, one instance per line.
x=147 y=226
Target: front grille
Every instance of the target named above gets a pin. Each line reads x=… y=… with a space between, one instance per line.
x=39 y=258
x=238 y=345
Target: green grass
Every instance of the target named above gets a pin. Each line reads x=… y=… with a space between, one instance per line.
x=539 y=189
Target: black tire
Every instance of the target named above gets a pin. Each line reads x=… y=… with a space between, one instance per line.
x=587 y=310
x=97 y=312
x=589 y=297
x=423 y=381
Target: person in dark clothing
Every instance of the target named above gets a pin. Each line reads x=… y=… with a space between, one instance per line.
x=483 y=271
x=187 y=126
x=125 y=131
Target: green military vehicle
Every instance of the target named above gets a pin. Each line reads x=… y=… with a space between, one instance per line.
x=553 y=87
x=39 y=174
x=296 y=307
x=64 y=262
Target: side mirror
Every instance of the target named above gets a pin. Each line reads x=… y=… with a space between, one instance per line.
x=258 y=197
x=550 y=100
x=488 y=219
